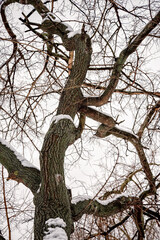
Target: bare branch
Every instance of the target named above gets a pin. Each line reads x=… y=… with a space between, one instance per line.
x=147 y=119
x=11 y=33
x=98 y=116
x=118 y=66
x=102 y=132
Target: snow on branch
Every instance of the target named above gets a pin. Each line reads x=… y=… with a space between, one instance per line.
x=61 y=117
x=102 y=208
x=70 y=32
x=73 y=33
x=53 y=25
x=23 y=161
x=81 y=198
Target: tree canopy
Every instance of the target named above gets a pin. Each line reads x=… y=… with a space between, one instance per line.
x=80 y=96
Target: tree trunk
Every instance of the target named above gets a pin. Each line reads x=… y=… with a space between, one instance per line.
x=53 y=200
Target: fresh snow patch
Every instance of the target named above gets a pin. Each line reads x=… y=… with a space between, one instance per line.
x=69 y=28
x=60 y=117
x=55 y=229
x=73 y=33
x=81 y=198
x=56 y=233
x=23 y=161
x=56 y=222
x=107 y=201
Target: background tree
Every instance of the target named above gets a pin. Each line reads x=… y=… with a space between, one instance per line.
x=82 y=84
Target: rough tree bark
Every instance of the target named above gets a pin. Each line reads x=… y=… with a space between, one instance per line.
x=51 y=198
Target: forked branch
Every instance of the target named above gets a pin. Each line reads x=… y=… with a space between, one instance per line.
x=118 y=66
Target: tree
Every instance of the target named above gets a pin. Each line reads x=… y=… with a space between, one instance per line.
x=96 y=69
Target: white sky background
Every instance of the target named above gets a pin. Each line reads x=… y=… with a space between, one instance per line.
x=84 y=173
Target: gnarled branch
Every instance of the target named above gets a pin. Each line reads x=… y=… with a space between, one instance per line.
x=18 y=170
x=118 y=66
